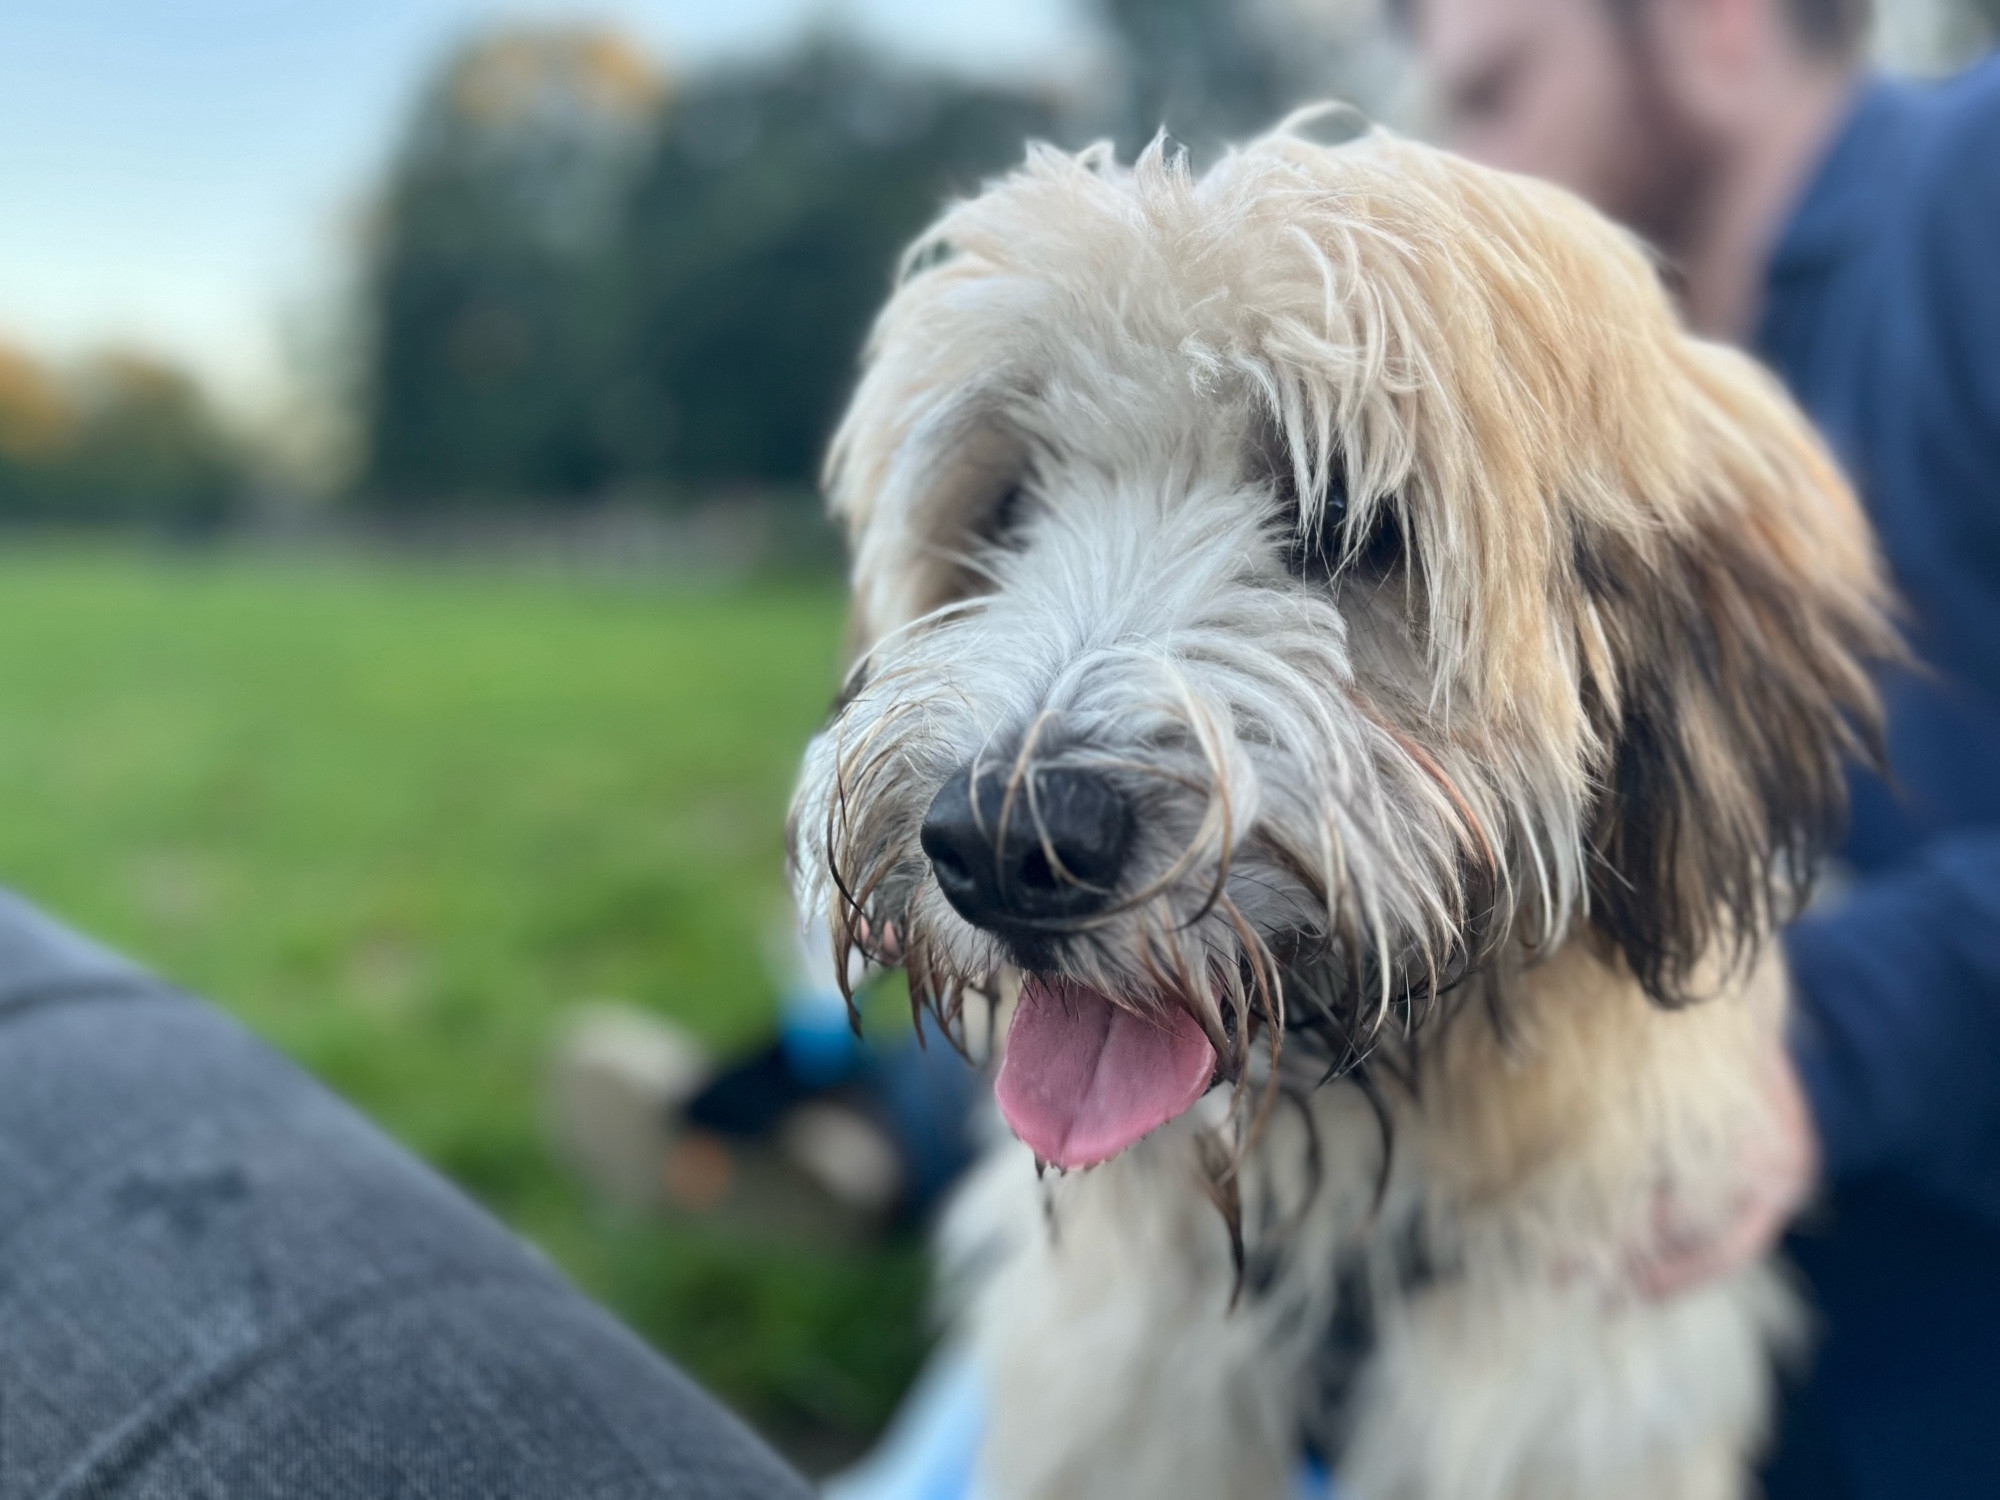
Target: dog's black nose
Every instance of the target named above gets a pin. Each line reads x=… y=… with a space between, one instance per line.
x=1051 y=853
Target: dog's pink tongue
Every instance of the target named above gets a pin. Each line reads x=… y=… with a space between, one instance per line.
x=1083 y=1079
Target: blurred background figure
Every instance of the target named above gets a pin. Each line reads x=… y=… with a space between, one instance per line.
x=1847 y=228
x=846 y=1124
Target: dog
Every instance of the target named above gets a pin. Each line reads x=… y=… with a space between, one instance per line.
x=1346 y=687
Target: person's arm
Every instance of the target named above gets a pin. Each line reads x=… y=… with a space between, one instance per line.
x=1897 y=1036
x=1894 y=1063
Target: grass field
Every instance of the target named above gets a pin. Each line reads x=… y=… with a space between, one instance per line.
x=398 y=819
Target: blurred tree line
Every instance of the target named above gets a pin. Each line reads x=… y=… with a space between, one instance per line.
x=121 y=438
x=587 y=280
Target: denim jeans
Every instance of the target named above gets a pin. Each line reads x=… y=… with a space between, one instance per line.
x=216 y=1280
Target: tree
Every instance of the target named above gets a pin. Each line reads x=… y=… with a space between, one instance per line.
x=762 y=236
x=489 y=301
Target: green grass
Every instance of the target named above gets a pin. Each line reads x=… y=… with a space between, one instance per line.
x=399 y=819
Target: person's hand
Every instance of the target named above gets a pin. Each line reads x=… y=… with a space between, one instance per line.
x=1779 y=1168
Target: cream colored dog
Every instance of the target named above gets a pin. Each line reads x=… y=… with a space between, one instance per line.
x=1356 y=685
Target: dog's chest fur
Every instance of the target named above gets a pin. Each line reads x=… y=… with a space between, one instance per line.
x=1451 y=1339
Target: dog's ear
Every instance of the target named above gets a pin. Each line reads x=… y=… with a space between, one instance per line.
x=1728 y=648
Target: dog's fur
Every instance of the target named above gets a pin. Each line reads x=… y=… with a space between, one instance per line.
x=1480 y=652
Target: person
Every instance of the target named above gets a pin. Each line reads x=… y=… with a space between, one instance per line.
x=1846 y=227
x=218 y=1280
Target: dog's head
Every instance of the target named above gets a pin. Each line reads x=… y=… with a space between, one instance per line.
x=1280 y=590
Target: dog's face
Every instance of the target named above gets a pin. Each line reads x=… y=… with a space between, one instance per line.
x=1278 y=591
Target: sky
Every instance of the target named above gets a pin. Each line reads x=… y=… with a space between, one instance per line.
x=185 y=176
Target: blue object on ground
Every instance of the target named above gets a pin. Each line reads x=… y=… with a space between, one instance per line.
x=818 y=1038
x=930 y=1450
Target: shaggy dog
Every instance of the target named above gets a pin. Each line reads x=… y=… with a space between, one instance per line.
x=1351 y=685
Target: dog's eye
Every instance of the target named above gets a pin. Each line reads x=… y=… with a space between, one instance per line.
x=1319 y=551
x=1316 y=546
x=1004 y=519
x=855 y=684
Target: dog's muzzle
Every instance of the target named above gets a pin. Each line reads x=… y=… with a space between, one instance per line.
x=1029 y=854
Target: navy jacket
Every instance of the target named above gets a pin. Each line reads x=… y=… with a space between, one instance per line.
x=1882 y=314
